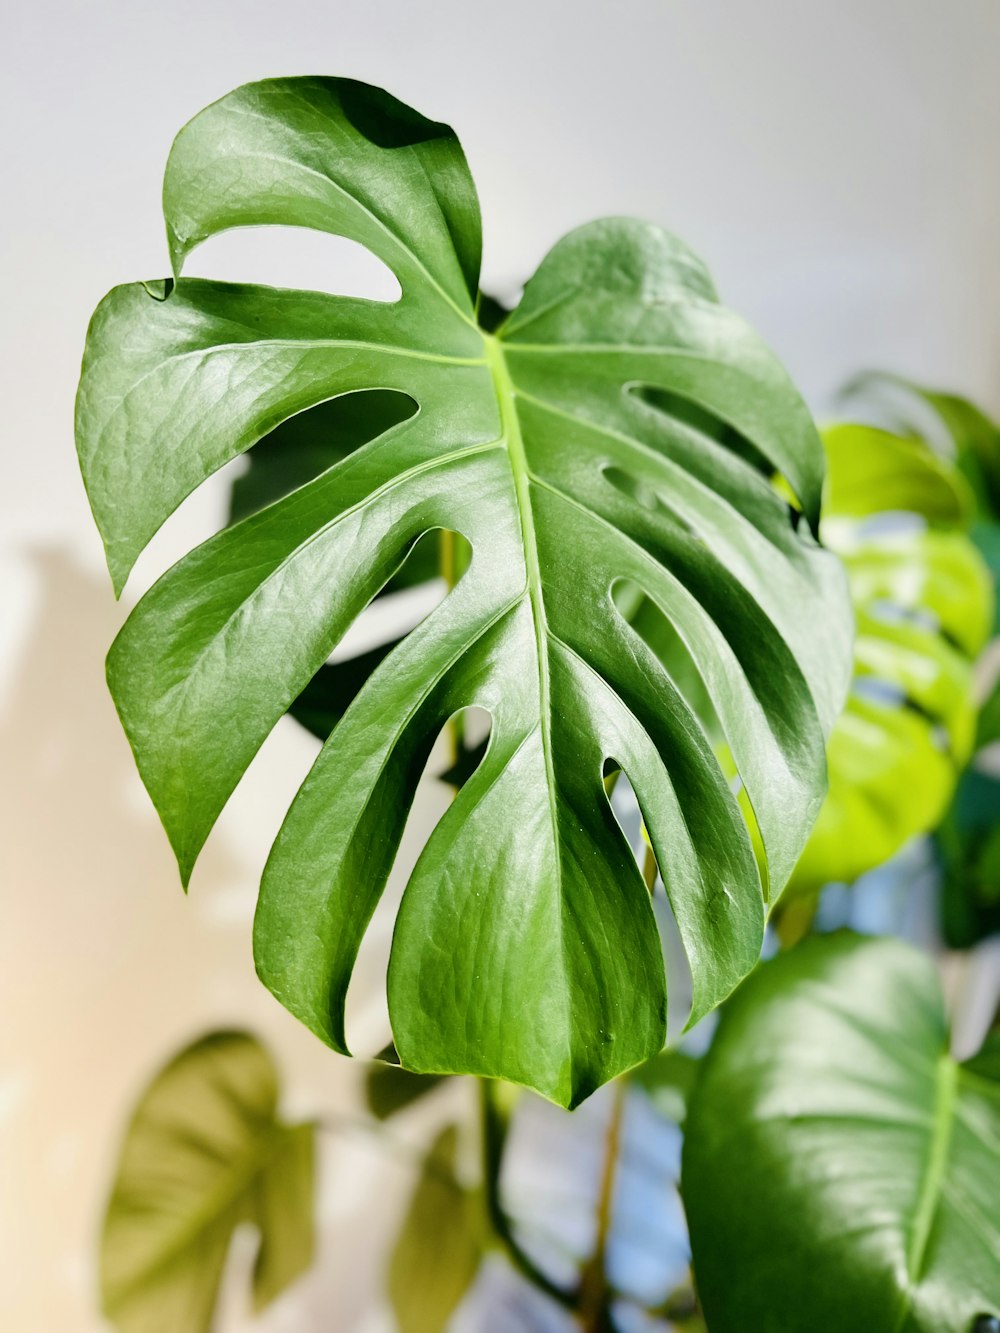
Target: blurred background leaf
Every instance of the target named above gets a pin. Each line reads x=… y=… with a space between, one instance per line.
x=389 y=1088
x=898 y=515
x=439 y=1247
x=204 y=1153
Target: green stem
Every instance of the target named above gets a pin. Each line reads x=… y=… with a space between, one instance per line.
x=649 y=867
x=449 y=566
x=494 y=1120
x=595 y=1291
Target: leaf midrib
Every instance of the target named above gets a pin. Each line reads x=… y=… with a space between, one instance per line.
x=932 y=1180
x=511 y=428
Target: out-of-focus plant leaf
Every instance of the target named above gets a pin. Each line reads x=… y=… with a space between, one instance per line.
x=525 y=946
x=668 y=1079
x=968 y=846
x=968 y=432
x=440 y=1245
x=840 y=1170
x=968 y=840
x=988 y=722
x=326 y=698
x=468 y=759
x=923 y=600
x=987 y=1062
x=389 y=1088
x=986 y=535
x=204 y=1153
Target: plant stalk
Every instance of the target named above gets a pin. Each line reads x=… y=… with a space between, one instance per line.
x=595 y=1290
x=494 y=1124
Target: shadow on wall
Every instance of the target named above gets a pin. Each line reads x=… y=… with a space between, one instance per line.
x=109 y=969
x=83 y=845
x=105 y=964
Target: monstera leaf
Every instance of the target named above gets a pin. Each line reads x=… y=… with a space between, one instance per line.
x=525 y=945
x=960 y=428
x=967 y=841
x=840 y=1170
x=205 y=1153
x=923 y=601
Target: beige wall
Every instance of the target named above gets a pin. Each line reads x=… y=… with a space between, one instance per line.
x=838 y=165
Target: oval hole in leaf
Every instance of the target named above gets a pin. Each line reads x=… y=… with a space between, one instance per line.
x=297 y=258
x=633 y=488
x=667 y=645
x=675 y=408
x=367 y=1009
x=890 y=523
x=311 y=441
x=402 y=603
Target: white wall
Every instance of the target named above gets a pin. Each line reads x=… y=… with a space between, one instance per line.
x=836 y=163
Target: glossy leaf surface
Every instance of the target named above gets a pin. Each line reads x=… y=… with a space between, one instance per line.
x=923 y=601
x=204 y=1153
x=840 y=1170
x=525 y=945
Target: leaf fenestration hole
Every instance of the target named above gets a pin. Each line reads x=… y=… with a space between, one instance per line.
x=466 y=737
x=403 y=602
x=634 y=488
x=628 y=812
x=367 y=1006
x=294 y=257
x=625 y=808
x=892 y=613
x=666 y=644
x=306 y=444
x=675 y=407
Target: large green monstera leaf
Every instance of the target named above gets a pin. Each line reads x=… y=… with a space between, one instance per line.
x=620 y=430
x=898 y=516
x=840 y=1169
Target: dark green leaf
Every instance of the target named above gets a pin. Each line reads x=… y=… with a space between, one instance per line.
x=389 y=1089
x=988 y=725
x=439 y=1248
x=986 y=536
x=204 y=1153
x=968 y=845
x=526 y=946
x=840 y=1170
x=669 y=1079
x=326 y=697
x=987 y=1062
